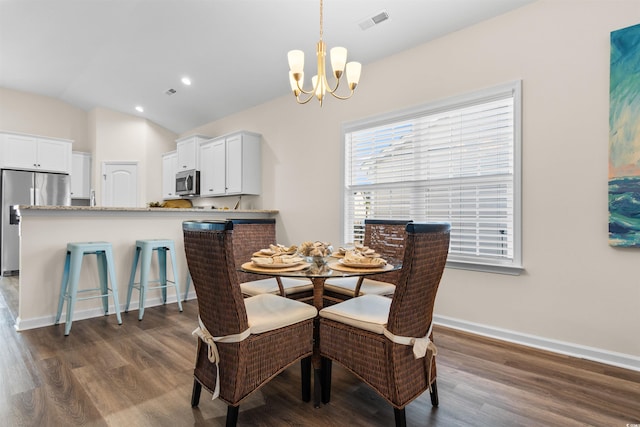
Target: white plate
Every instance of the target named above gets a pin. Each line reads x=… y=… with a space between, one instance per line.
x=360 y=265
x=292 y=264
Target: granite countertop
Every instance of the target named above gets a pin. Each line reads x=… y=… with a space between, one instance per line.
x=116 y=209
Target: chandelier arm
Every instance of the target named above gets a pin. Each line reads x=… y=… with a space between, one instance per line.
x=342 y=97
x=311 y=96
x=331 y=91
x=306 y=92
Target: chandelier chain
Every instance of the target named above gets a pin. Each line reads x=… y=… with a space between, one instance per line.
x=321 y=19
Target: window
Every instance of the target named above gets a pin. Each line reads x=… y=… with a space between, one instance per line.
x=456 y=161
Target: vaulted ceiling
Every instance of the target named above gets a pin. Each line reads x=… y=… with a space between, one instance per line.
x=119 y=54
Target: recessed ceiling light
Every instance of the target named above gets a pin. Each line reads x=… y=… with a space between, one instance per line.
x=139 y=109
x=186 y=81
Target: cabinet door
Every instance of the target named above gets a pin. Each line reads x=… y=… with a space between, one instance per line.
x=234 y=165
x=218 y=174
x=169 y=167
x=207 y=162
x=80 y=175
x=54 y=155
x=20 y=152
x=188 y=154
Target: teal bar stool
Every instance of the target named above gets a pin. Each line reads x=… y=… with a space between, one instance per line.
x=71 y=275
x=143 y=255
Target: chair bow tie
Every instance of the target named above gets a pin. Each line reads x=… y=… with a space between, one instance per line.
x=421 y=347
x=212 y=353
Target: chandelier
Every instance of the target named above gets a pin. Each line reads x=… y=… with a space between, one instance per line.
x=319 y=82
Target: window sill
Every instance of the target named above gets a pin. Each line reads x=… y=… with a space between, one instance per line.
x=485 y=268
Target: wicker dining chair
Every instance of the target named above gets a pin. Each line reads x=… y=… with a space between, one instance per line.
x=251 y=235
x=379 y=339
x=386 y=237
x=242 y=342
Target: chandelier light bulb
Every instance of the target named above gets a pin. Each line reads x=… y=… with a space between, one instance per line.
x=338 y=60
x=353 y=74
x=296 y=61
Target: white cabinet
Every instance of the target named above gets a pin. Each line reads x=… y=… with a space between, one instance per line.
x=188 y=152
x=231 y=165
x=212 y=172
x=169 y=168
x=80 y=175
x=29 y=152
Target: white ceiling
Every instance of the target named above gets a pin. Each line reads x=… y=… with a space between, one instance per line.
x=121 y=53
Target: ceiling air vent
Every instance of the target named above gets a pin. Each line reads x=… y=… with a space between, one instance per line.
x=374 y=20
x=170 y=92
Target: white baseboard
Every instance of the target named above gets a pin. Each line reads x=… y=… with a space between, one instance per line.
x=621 y=360
x=40 y=322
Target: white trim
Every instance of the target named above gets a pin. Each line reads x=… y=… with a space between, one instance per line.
x=621 y=360
x=41 y=322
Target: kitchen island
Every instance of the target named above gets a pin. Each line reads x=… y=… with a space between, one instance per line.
x=46 y=230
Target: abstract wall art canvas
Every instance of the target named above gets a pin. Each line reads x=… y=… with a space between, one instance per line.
x=624 y=138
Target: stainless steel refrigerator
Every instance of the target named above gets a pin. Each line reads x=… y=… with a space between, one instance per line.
x=26 y=188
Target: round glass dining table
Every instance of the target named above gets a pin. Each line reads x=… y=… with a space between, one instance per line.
x=318 y=271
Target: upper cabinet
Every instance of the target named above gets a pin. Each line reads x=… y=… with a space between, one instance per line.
x=80 y=175
x=29 y=152
x=189 y=152
x=212 y=174
x=169 y=168
x=231 y=165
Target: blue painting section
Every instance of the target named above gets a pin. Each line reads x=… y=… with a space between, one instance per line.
x=624 y=140
x=624 y=211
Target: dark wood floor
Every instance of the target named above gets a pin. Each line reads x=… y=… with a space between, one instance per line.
x=140 y=374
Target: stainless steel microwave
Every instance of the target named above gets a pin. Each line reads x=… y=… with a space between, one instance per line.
x=188 y=183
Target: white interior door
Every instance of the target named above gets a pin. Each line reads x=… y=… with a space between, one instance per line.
x=120 y=184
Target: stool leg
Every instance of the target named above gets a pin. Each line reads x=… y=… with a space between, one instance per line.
x=72 y=288
x=187 y=281
x=176 y=284
x=63 y=286
x=145 y=264
x=114 y=283
x=132 y=278
x=162 y=269
x=104 y=286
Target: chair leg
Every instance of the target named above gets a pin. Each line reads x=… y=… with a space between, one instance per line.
x=401 y=419
x=187 y=282
x=132 y=277
x=326 y=365
x=195 y=393
x=232 y=415
x=305 y=374
x=162 y=270
x=63 y=286
x=434 y=394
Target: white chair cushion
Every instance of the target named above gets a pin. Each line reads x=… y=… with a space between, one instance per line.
x=267 y=312
x=368 y=312
x=270 y=286
x=347 y=286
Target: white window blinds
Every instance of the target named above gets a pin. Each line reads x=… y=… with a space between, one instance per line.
x=453 y=162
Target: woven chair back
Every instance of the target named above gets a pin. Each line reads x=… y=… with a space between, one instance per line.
x=209 y=249
x=425 y=256
x=387 y=238
x=249 y=236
